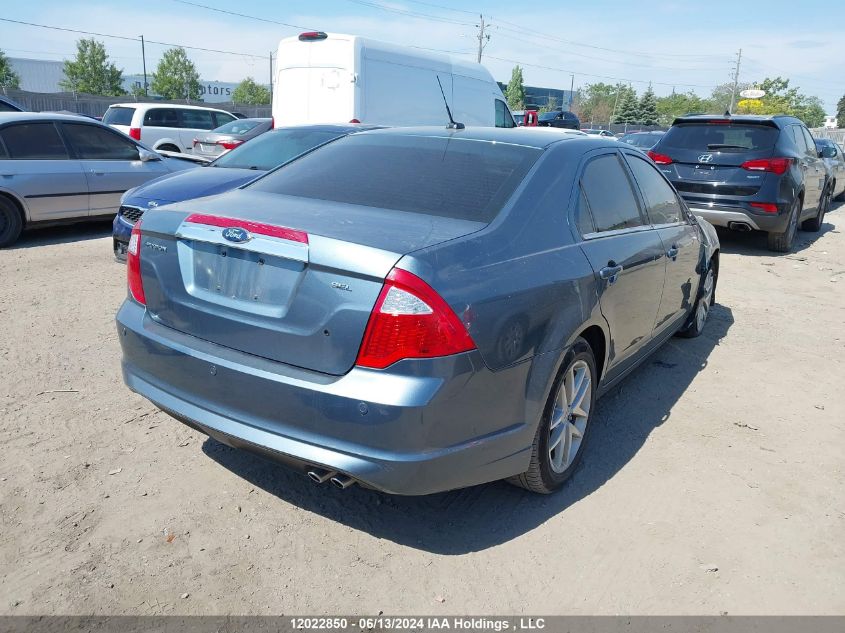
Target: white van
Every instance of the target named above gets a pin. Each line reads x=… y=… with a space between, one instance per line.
x=333 y=78
x=165 y=126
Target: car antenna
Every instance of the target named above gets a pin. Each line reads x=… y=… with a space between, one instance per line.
x=453 y=125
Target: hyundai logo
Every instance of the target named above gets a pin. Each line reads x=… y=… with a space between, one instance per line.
x=152 y=204
x=705 y=158
x=236 y=234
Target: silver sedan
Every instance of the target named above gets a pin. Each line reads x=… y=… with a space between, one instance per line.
x=58 y=168
x=229 y=136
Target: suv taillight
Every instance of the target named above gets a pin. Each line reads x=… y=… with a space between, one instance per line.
x=777 y=166
x=410 y=320
x=659 y=159
x=135 y=132
x=133 y=265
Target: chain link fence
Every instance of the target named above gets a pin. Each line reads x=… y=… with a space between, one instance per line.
x=93 y=105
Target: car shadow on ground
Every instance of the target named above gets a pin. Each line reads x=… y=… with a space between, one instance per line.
x=473 y=519
x=64 y=234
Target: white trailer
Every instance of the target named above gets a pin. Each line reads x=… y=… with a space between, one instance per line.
x=334 y=78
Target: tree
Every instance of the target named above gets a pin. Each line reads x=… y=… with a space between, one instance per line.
x=678 y=104
x=598 y=100
x=250 y=93
x=628 y=110
x=8 y=77
x=840 y=112
x=91 y=71
x=648 y=107
x=515 y=92
x=176 y=77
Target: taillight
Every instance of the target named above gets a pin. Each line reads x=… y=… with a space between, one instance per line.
x=659 y=159
x=354 y=121
x=410 y=320
x=773 y=165
x=766 y=207
x=133 y=266
x=135 y=132
x=229 y=144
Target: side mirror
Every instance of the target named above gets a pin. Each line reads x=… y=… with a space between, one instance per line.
x=146 y=155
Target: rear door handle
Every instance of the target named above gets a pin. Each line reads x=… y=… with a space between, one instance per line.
x=610 y=272
x=672 y=253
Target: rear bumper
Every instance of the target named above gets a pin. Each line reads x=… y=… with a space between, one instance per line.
x=726 y=215
x=416 y=428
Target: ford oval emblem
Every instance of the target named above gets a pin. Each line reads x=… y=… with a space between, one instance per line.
x=236 y=234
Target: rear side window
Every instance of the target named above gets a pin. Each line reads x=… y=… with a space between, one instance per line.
x=3 y=152
x=238 y=126
x=608 y=192
x=198 y=119
x=808 y=138
x=735 y=137
x=222 y=118
x=440 y=176
x=661 y=201
x=91 y=142
x=118 y=116
x=162 y=117
x=503 y=116
x=33 y=141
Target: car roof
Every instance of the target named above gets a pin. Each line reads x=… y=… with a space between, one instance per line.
x=538 y=137
x=328 y=127
x=159 y=104
x=8 y=117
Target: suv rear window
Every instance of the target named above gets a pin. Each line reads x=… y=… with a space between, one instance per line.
x=118 y=116
x=733 y=137
x=446 y=177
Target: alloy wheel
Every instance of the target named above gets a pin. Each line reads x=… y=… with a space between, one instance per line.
x=706 y=299
x=570 y=415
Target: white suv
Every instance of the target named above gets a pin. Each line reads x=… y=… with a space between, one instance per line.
x=165 y=126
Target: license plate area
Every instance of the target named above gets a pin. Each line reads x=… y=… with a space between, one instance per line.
x=239 y=279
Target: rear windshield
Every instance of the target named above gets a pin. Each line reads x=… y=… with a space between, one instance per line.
x=238 y=126
x=274 y=148
x=447 y=177
x=118 y=116
x=548 y=116
x=735 y=137
x=641 y=140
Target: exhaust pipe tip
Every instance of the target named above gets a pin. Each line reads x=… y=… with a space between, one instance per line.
x=319 y=476
x=342 y=481
x=742 y=227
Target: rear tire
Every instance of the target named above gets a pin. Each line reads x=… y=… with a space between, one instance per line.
x=11 y=222
x=565 y=425
x=782 y=242
x=814 y=224
x=701 y=309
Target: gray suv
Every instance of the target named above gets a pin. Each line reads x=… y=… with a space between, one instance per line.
x=746 y=173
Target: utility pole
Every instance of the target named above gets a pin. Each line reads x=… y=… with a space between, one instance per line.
x=736 y=81
x=483 y=36
x=571 y=91
x=144 y=60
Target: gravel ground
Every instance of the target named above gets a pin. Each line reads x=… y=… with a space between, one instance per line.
x=713 y=482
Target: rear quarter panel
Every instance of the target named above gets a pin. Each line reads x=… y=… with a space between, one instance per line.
x=522 y=286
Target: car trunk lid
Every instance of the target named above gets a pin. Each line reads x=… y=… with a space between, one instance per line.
x=289 y=279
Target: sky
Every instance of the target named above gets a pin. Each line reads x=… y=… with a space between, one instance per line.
x=673 y=44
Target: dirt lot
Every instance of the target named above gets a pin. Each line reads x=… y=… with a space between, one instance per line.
x=714 y=481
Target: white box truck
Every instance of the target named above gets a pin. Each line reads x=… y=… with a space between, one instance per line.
x=333 y=78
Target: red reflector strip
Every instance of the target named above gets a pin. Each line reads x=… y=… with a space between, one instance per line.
x=768 y=207
x=257 y=228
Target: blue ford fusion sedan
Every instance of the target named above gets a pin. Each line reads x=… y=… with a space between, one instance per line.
x=416 y=310
x=233 y=169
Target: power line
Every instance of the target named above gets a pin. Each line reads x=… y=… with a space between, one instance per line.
x=243 y=15
x=408 y=13
x=526 y=31
x=440 y=6
x=128 y=39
